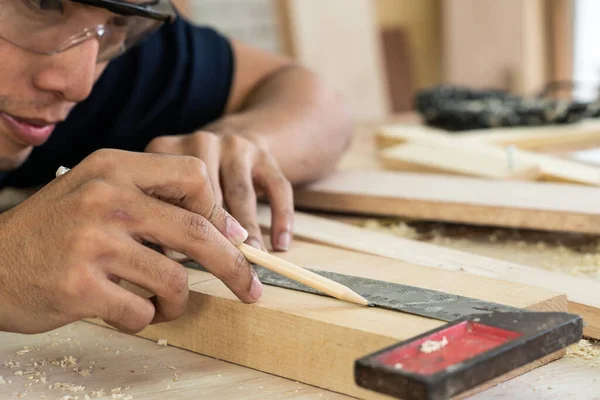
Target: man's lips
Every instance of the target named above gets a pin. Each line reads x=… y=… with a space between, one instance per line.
x=31 y=132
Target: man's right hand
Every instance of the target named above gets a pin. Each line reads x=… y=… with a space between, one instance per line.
x=65 y=249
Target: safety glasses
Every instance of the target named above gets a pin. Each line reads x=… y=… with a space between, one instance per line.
x=49 y=27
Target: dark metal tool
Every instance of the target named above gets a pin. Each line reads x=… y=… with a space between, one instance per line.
x=482 y=340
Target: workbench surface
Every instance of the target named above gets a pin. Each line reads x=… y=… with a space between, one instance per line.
x=107 y=360
x=103 y=359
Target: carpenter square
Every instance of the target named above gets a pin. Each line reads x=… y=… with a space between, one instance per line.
x=482 y=341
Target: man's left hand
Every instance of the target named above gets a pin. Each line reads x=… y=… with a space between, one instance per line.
x=239 y=171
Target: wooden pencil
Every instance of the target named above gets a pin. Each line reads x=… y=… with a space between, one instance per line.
x=302 y=275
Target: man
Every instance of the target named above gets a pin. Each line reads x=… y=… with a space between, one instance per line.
x=165 y=126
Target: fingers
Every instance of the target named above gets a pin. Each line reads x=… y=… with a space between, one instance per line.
x=208 y=148
x=146 y=268
x=281 y=199
x=179 y=180
x=239 y=194
x=192 y=234
x=122 y=309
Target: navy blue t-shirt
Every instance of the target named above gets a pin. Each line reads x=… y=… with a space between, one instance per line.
x=174 y=82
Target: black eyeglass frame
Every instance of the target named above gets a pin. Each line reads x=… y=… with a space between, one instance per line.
x=152 y=9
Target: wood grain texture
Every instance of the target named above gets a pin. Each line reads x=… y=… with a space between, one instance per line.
x=477 y=154
x=313 y=339
x=554 y=137
x=339 y=40
x=482 y=161
x=491 y=43
x=583 y=294
x=421 y=21
x=534 y=205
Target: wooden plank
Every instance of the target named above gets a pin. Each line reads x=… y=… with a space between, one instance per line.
x=339 y=40
x=472 y=154
x=397 y=56
x=421 y=22
x=478 y=161
x=582 y=294
x=552 y=137
x=481 y=49
x=533 y=205
x=314 y=339
x=561 y=33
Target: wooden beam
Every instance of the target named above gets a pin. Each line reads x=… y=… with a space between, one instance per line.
x=582 y=294
x=314 y=339
x=532 y=205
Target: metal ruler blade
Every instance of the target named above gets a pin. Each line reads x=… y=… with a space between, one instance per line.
x=392 y=296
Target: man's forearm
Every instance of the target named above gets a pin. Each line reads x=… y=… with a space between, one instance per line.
x=301 y=122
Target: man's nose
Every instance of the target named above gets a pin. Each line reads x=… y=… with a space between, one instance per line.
x=70 y=74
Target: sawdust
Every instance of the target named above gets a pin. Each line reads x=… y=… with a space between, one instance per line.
x=432 y=346
x=573 y=254
x=586 y=350
x=69 y=387
x=162 y=342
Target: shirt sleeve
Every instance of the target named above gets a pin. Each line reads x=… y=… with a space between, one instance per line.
x=174 y=82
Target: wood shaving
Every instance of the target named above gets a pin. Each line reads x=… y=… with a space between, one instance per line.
x=98 y=393
x=586 y=350
x=431 y=346
x=162 y=342
x=25 y=350
x=83 y=371
x=69 y=387
x=11 y=364
x=2 y=381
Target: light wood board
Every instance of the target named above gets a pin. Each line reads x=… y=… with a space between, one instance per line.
x=478 y=161
x=313 y=339
x=583 y=294
x=426 y=149
x=551 y=137
x=495 y=43
x=534 y=205
x=339 y=40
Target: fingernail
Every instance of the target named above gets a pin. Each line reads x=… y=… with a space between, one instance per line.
x=283 y=242
x=175 y=256
x=256 y=290
x=255 y=243
x=237 y=234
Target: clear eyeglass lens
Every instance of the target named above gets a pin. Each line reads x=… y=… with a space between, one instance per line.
x=50 y=31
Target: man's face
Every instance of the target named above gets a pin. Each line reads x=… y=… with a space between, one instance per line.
x=38 y=91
